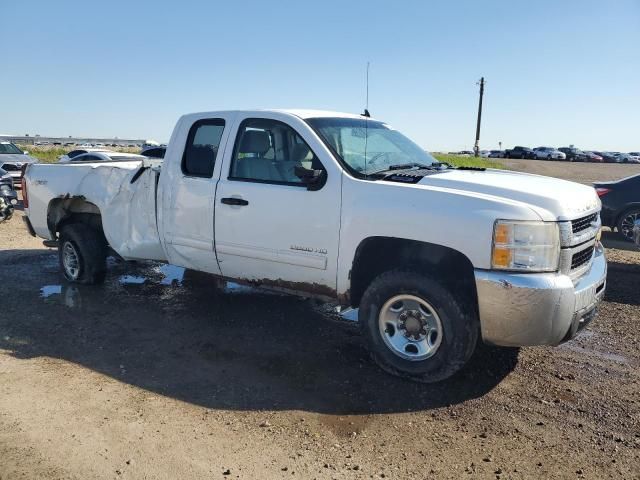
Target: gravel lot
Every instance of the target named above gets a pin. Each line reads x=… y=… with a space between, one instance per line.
x=146 y=377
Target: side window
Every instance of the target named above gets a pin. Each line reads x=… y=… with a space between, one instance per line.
x=202 y=146
x=87 y=158
x=269 y=151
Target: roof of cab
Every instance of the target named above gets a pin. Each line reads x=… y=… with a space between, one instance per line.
x=301 y=113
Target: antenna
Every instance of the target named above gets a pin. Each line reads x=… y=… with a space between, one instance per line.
x=366 y=106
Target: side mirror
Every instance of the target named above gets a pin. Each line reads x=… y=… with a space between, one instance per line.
x=313 y=179
x=25 y=152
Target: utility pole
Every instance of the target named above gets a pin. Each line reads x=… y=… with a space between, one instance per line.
x=476 y=148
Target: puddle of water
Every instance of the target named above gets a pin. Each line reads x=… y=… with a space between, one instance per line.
x=172 y=274
x=131 y=280
x=49 y=290
x=233 y=287
x=349 y=314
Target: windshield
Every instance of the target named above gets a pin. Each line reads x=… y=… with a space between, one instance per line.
x=369 y=146
x=9 y=148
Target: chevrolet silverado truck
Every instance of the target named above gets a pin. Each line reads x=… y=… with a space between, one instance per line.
x=345 y=208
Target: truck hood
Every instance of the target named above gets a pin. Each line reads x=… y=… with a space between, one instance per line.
x=551 y=198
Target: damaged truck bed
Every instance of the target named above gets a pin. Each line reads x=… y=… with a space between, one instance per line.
x=122 y=193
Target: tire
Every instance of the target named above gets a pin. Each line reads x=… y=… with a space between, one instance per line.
x=549 y=157
x=82 y=254
x=624 y=225
x=453 y=344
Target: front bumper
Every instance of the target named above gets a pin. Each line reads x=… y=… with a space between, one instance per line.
x=538 y=309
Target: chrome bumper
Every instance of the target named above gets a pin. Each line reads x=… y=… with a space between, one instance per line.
x=538 y=309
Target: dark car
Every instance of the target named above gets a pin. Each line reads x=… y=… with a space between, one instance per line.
x=154 y=152
x=520 y=152
x=574 y=154
x=620 y=204
x=608 y=157
x=7 y=188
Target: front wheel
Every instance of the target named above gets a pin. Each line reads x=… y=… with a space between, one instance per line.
x=415 y=327
x=82 y=253
x=627 y=221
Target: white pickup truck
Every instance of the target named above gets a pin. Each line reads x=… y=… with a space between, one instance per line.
x=345 y=208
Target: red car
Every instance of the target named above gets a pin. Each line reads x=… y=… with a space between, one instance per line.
x=594 y=157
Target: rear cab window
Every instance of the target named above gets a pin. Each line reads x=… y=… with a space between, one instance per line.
x=201 y=149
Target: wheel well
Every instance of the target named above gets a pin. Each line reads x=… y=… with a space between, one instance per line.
x=63 y=211
x=376 y=255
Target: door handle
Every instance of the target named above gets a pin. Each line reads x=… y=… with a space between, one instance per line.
x=234 y=201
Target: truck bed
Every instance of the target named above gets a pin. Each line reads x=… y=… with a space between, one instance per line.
x=124 y=193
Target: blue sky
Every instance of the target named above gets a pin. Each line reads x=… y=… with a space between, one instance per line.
x=558 y=72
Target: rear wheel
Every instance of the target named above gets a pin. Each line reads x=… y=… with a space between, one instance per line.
x=415 y=327
x=82 y=253
x=626 y=222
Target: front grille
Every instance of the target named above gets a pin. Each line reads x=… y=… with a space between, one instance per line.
x=582 y=257
x=10 y=167
x=583 y=223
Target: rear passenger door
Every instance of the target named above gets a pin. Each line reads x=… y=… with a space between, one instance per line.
x=188 y=211
x=269 y=227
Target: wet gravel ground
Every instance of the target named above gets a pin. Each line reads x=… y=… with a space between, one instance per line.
x=157 y=374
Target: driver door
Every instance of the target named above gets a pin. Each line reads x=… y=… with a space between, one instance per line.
x=269 y=227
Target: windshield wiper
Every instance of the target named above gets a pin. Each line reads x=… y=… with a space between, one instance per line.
x=401 y=166
x=409 y=166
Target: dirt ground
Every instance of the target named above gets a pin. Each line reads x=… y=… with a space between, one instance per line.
x=158 y=376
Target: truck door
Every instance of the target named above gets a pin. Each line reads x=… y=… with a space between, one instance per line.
x=190 y=172
x=269 y=227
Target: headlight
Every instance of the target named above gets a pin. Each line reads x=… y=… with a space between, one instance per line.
x=525 y=246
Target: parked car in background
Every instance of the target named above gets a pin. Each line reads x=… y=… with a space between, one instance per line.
x=628 y=158
x=574 y=154
x=548 y=153
x=520 y=152
x=79 y=151
x=608 y=157
x=8 y=196
x=593 y=156
x=620 y=204
x=12 y=159
x=465 y=152
x=484 y=153
x=154 y=152
x=496 y=154
x=107 y=156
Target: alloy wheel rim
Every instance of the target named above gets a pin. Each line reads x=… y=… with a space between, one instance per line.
x=627 y=224
x=410 y=327
x=70 y=261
